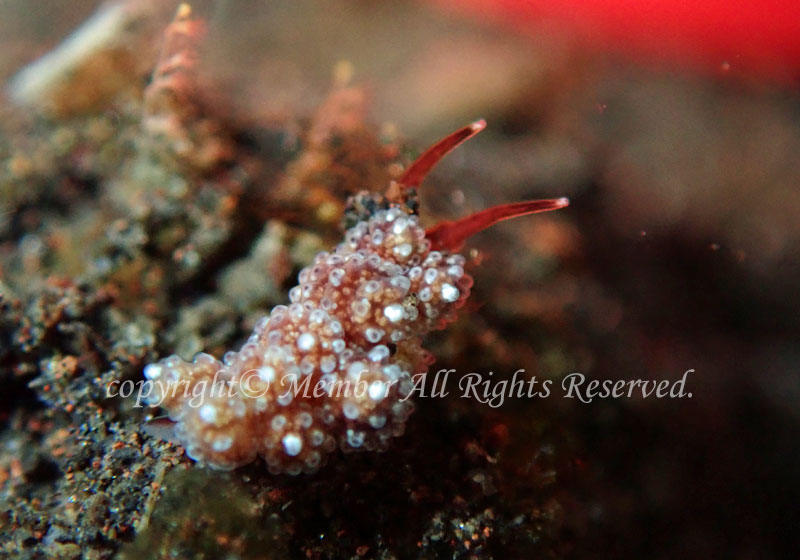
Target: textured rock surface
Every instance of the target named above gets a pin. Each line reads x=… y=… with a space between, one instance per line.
x=680 y=250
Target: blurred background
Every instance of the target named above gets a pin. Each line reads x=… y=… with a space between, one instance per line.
x=673 y=127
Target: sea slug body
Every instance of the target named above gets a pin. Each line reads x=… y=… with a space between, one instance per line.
x=356 y=314
x=334 y=368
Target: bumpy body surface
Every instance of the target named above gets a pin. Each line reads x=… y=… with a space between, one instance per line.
x=332 y=369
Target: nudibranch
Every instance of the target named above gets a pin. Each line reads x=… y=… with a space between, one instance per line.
x=335 y=367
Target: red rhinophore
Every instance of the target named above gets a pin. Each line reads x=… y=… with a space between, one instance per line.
x=417 y=171
x=450 y=236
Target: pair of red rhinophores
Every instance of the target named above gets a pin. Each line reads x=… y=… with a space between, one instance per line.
x=450 y=235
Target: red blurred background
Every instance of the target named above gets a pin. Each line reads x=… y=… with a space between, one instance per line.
x=712 y=35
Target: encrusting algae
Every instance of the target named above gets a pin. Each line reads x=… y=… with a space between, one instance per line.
x=335 y=367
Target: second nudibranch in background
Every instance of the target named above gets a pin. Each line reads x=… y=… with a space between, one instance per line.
x=334 y=368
